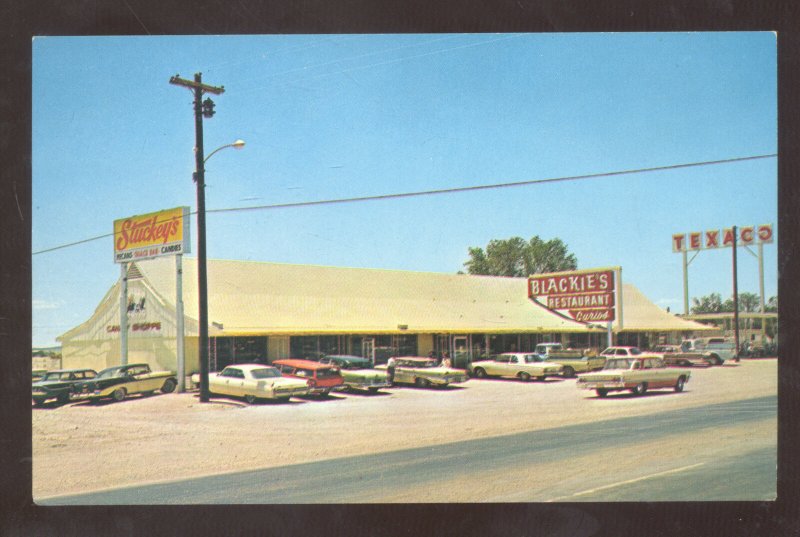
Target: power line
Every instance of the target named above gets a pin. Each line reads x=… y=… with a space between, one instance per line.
x=487 y=187
x=446 y=191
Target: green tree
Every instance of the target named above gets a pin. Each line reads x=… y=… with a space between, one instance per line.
x=518 y=257
x=747 y=302
x=713 y=303
x=707 y=304
x=772 y=304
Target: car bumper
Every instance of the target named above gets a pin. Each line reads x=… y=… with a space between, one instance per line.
x=601 y=384
x=450 y=379
x=290 y=392
x=367 y=385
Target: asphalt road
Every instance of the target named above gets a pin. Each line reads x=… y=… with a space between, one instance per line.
x=714 y=453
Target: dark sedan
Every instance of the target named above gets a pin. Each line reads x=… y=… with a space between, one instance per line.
x=59 y=385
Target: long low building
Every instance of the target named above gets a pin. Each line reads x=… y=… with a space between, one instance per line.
x=260 y=312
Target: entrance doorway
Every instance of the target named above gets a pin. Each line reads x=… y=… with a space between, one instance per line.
x=368 y=349
x=462 y=354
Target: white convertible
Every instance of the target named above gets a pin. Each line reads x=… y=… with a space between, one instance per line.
x=254 y=382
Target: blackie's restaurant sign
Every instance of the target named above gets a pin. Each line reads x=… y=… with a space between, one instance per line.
x=586 y=295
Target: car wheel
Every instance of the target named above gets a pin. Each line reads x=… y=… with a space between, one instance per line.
x=284 y=399
x=601 y=392
x=251 y=399
x=524 y=377
x=680 y=383
x=38 y=402
x=716 y=360
x=421 y=382
x=639 y=389
x=569 y=372
x=325 y=393
x=119 y=394
x=372 y=390
x=168 y=386
x=63 y=398
x=480 y=373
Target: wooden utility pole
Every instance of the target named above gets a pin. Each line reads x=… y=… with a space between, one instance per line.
x=201 y=109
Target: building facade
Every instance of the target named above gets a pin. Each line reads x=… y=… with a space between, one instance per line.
x=260 y=312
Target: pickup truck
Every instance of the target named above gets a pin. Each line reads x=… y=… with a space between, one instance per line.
x=674 y=355
x=715 y=349
x=573 y=360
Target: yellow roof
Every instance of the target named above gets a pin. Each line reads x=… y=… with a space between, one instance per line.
x=641 y=315
x=246 y=297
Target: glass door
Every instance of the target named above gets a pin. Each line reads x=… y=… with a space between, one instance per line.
x=461 y=352
x=368 y=349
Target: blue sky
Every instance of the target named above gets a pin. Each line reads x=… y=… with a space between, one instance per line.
x=332 y=116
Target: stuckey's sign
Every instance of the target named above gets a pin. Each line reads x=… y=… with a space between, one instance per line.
x=151 y=235
x=585 y=295
x=716 y=238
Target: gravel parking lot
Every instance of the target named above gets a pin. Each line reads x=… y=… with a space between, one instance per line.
x=168 y=437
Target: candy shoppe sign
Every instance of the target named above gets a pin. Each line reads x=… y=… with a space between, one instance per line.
x=585 y=296
x=152 y=235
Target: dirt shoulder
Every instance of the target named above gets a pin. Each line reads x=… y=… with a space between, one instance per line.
x=80 y=447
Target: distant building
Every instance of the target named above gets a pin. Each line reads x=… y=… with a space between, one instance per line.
x=260 y=312
x=45 y=360
x=753 y=326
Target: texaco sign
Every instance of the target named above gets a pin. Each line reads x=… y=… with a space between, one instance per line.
x=583 y=295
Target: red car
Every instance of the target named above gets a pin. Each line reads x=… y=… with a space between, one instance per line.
x=321 y=378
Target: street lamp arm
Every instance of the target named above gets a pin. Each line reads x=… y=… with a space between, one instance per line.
x=238 y=144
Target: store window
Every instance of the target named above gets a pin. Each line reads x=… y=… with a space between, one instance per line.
x=224 y=351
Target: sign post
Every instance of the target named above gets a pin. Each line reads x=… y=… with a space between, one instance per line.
x=697 y=241
x=123 y=314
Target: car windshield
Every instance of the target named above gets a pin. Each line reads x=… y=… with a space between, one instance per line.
x=110 y=373
x=618 y=363
x=265 y=373
x=350 y=363
x=53 y=376
x=326 y=373
x=417 y=363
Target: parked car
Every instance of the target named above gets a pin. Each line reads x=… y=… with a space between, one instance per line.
x=358 y=373
x=523 y=366
x=320 y=378
x=674 y=355
x=636 y=374
x=621 y=351
x=36 y=374
x=58 y=385
x=254 y=382
x=120 y=381
x=573 y=360
x=424 y=372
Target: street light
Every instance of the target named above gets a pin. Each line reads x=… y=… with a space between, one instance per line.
x=238 y=144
